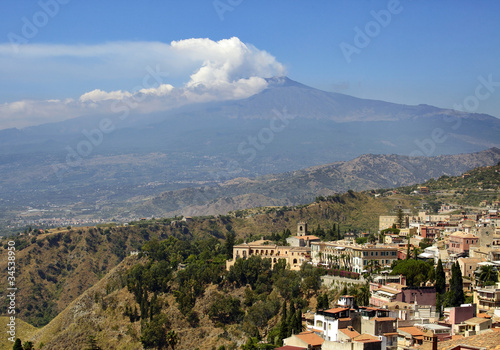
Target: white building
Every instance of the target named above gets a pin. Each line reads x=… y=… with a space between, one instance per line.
x=330 y=321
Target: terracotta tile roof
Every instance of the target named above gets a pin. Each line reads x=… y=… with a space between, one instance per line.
x=384 y=319
x=476 y=320
x=413 y=331
x=350 y=333
x=366 y=338
x=388 y=290
x=399 y=304
x=483 y=315
x=372 y=308
x=311 y=237
x=488 y=341
x=336 y=310
x=289 y=347
x=460 y=234
x=397 y=286
x=310 y=338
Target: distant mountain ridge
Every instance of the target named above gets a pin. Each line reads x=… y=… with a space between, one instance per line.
x=302 y=186
x=286 y=127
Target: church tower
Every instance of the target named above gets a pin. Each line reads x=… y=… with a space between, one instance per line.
x=302 y=228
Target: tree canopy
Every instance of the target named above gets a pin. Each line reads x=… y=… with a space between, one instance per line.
x=416 y=272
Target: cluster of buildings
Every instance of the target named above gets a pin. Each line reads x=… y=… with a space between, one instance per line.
x=398 y=316
x=395 y=326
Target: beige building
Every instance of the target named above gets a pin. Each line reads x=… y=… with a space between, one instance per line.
x=486 y=253
x=305 y=340
x=294 y=256
x=352 y=256
x=408 y=232
x=468 y=266
x=426 y=218
x=473 y=326
x=386 y=221
x=409 y=337
x=487 y=298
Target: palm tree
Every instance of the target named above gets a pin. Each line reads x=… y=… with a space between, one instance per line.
x=336 y=261
x=488 y=275
x=416 y=252
x=364 y=294
x=369 y=265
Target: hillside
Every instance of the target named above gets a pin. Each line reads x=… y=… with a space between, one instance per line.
x=92 y=300
x=203 y=304
x=54 y=268
x=478 y=188
x=23 y=331
x=299 y=187
x=99 y=313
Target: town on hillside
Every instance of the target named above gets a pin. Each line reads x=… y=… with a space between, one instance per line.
x=458 y=307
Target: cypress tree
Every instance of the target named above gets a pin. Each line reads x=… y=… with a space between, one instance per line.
x=297 y=322
x=136 y=315
x=283 y=325
x=456 y=296
x=440 y=278
x=323 y=302
x=290 y=319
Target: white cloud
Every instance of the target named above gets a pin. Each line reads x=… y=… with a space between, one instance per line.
x=222 y=70
x=99 y=95
x=162 y=90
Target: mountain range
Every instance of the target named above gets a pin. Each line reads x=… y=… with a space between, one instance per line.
x=94 y=165
x=366 y=172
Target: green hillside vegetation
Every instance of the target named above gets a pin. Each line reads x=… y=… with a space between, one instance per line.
x=77 y=283
x=472 y=188
x=54 y=268
x=180 y=288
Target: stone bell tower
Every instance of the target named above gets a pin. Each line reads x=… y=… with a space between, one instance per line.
x=302 y=228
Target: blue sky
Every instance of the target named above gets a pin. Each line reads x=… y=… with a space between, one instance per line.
x=430 y=52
